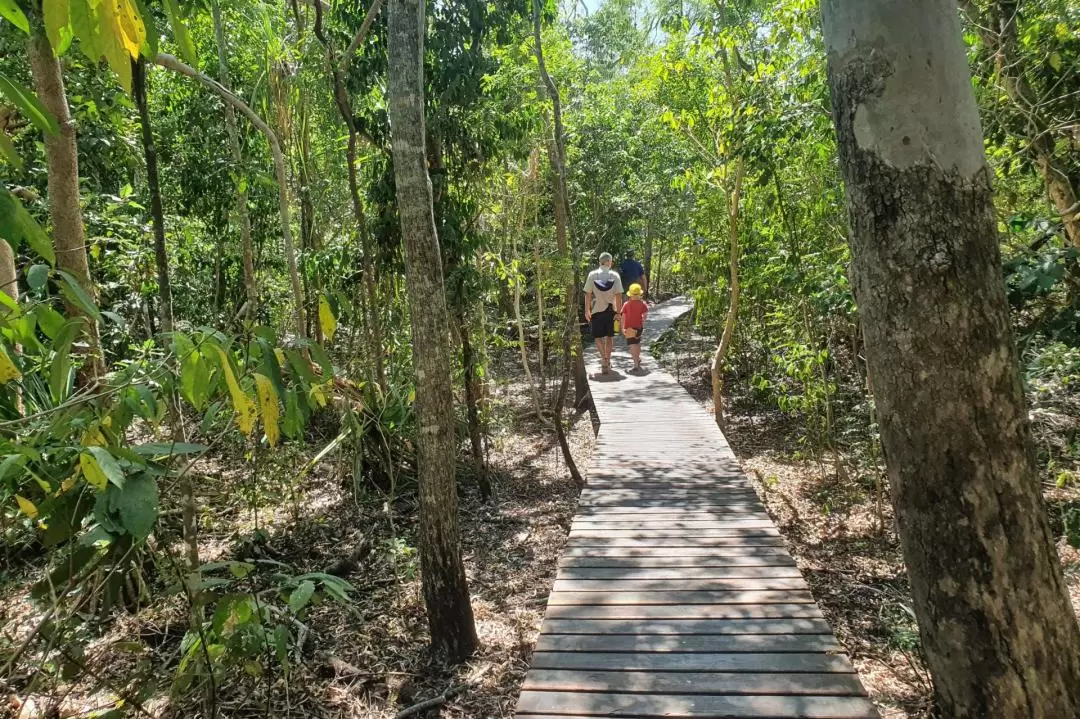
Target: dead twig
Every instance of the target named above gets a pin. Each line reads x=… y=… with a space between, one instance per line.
x=434 y=701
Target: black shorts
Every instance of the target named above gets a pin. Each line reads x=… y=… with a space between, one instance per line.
x=636 y=339
x=603 y=323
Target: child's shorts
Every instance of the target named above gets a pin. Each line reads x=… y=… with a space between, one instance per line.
x=636 y=339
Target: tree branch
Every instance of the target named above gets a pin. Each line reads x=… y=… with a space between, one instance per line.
x=361 y=35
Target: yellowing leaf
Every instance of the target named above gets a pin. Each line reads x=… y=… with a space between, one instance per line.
x=93 y=472
x=114 y=42
x=1055 y=61
x=68 y=483
x=26 y=506
x=8 y=370
x=317 y=396
x=280 y=356
x=268 y=406
x=93 y=437
x=242 y=403
x=133 y=27
x=326 y=319
x=57 y=16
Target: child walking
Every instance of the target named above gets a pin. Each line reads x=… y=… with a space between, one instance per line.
x=634 y=313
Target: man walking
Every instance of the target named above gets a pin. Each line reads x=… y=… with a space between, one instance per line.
x=633 y=273
x=603 y=301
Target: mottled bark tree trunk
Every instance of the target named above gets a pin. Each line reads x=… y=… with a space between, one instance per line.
x=996 y=624
x=446 y=591
x=157 y=213
x=62 y=160
x=251 y=289
x=472 y=405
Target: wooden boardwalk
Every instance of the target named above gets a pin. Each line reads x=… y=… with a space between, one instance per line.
x=675 y=596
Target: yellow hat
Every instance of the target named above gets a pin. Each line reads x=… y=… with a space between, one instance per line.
x=635 y=290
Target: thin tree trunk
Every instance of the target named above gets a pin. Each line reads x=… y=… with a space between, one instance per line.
x=284 y=214
x=157 y=213
x=9 y=277
x=648 y=255
x=472 y=408
x=62 y=161
x=446 y=591
x=344 y=107
x=557 y=157
x=999 y=633
x=733 y=305
x=251 y=288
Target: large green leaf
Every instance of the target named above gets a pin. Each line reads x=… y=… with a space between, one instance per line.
x=135 y=506
x=18 y=225
x=108 y=464
x=60 y=370
x=8 y=152
x=301 y=596
x=195 y=378
x=180 y=32
x=10 y=10
x=77 y=295
x=28 y=103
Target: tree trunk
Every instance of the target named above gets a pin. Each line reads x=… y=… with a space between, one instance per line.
x=648 y=255
x=996 y=624
x=157 y=213
x=62 y=161
x=9 y=277
x=557 y=157
x=446 y=591
x=998 y=30
x=344 y=107
x=733 y=305
x=251 y=288
x=472 y=408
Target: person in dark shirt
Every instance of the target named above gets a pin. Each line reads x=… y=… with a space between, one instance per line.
x=632 y=272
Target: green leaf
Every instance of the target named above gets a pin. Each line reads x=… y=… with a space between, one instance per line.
x=281 y=646
x=17 y=224
x=10 y=463
x=58 y=25
x=10 y=10
x=75 y=294
x=60 y=370
x=85 y=25
x=37 y=276
x=136 y=505
x=180 y=32
x=7 y=151
x=1055 y=61
x=301 y=596
x=195 y=378
x=108 y=464
x=28 y=103
x=49 y=320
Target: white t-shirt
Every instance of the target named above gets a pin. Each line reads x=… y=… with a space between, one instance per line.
x=605 y=284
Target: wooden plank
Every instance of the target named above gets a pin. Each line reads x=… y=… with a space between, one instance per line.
x=691 y=562
x=677 y=573
x=685 y=596
x=741 y=541
x=669 y=585
x=767 y=529
x=734 y=550
x=685 y=626
x=688 y=705
x=692 y=683
x=656 y=613
x=689 y=643
x=674 y=525
x=587 y=513
x=815 y=663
